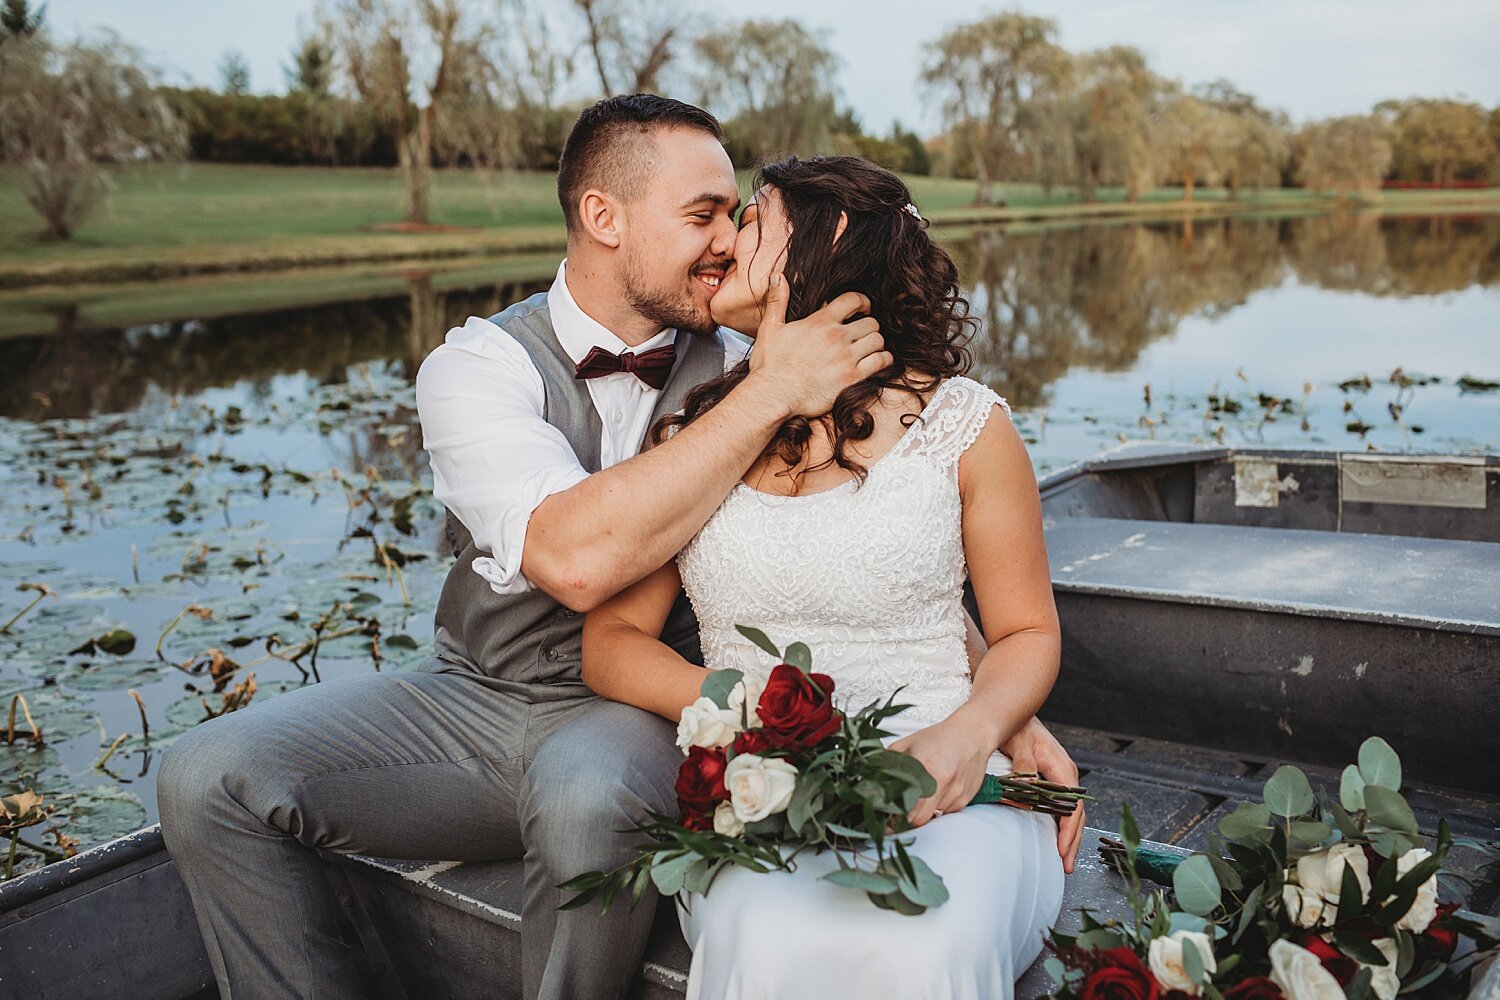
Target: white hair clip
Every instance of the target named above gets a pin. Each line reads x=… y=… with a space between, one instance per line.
x=911 y=210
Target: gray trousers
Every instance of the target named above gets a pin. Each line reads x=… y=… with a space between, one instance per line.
x=421 y=765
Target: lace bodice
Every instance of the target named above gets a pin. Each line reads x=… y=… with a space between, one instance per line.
x=871 y=577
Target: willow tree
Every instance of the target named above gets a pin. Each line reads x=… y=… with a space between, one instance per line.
x=772 y=82
x=631 y=43
x=1108 y=123
x=1191 y=138
x=1345 y=154
x=1255 y=142
x=70 y=114
x=999 y=81
x=422 y=66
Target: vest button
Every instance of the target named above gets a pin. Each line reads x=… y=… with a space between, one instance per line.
x=551 y=653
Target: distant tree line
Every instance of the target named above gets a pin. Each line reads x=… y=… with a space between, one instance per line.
x=422 y=84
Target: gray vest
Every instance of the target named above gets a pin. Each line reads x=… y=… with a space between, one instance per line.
x=529 y=644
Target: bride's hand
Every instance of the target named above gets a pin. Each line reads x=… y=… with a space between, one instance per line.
x=955 y=752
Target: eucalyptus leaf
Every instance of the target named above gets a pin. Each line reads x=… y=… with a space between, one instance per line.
x=927 y=887
x=718 y=684
x=1288 y=793
x=1309 y=833
x=1248 y=820
x=1196 y=885
x=1101 y=939
x=1179 y=921
x=901 y=904
x=855 y=878
x=1192 y=962
x=1392 y=843
x=1379 y=764
x=799 y=656
x=1389 y=809
x=1352 y=789
x=667 y=874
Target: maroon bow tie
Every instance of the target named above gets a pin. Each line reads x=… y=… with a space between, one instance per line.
x=651 y=367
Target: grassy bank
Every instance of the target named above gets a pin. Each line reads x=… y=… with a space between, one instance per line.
x=215 y=218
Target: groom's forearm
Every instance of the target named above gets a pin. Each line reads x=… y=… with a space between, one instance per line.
x=587 y=543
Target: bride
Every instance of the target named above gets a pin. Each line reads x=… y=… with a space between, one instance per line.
x=854 y=533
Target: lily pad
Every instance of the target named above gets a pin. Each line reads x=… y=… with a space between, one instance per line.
x=115 y=675
x=101 y=813
x=60 y=715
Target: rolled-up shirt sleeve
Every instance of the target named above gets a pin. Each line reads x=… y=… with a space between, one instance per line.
x=494 y=456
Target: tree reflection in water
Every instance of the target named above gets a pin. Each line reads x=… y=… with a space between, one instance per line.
x=1092 y=296
x=1096 y=296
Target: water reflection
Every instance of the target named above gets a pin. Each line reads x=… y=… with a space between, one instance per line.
x=1086 y=297
x=74 y=373
x=1095 y=297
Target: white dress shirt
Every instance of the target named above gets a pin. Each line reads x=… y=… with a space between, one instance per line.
x=494 y=458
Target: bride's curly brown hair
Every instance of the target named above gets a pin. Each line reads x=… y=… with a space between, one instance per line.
x=884 y=252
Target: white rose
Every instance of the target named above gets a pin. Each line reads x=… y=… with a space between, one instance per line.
x=1424 y=907
x=1165 y=957
x=747 y=693
x=704 y=724
x=1322 y=872
x=1300 y=976
x=726 y=822
x=759 y=786
x=1383 y=980
x=1303 y=908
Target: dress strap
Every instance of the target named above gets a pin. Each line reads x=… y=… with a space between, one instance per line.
x=952 y=420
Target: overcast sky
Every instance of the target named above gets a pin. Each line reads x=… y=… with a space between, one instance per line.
x=1313 y=58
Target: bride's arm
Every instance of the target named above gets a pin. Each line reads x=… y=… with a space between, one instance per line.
x=1007 y=559
x=625 y=660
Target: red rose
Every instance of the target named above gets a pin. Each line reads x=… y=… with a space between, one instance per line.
x=696 y=819
x=1120 y=977
x=752 y=741
x=1253 y=988
x=1333 y=960
x=1440 y=940
x=795 y=708
x=700 y=780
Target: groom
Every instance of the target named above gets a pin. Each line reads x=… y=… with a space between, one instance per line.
x=493 y=748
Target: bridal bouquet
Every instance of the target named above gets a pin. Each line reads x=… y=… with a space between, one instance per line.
x=1298 y=899
x=774 y=769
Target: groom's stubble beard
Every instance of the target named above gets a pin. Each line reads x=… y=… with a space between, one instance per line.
x=676 y=308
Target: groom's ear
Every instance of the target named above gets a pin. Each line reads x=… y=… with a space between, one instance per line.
x=599 y=214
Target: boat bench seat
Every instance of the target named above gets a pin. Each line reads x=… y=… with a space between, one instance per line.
x=1395 y=579
x=474 y=908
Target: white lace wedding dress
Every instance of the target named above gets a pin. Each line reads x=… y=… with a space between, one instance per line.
x=871 y=578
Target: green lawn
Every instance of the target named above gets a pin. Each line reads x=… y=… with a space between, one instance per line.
x=206 y=218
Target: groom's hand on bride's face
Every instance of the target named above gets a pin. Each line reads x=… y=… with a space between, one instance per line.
x=812 y=360
x=1034 y=748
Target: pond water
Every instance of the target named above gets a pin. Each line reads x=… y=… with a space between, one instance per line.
x=220 y=506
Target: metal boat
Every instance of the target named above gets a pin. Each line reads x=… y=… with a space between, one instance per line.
x=1224 y=611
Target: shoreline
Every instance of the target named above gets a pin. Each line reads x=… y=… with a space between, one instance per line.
x=397 y=249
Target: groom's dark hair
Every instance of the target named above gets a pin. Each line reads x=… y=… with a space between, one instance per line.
x=608 y=147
